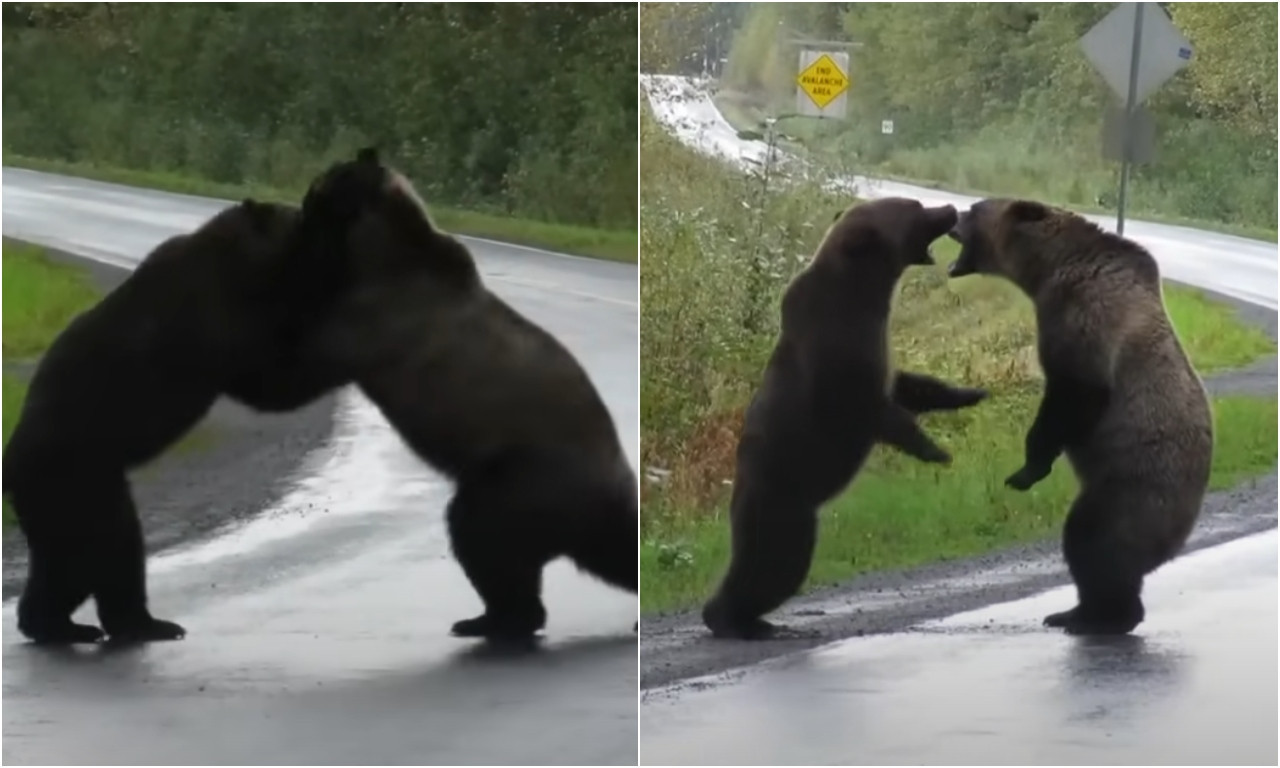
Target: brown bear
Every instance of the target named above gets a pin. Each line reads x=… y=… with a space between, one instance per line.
x=480 y=393
x=828 y=395
x=204 y=314
x=1121 y=399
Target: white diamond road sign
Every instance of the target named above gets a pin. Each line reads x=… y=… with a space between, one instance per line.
x=1109 y=47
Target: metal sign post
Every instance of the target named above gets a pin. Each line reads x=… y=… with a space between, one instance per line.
x=1156 y=51
x=1128 y=118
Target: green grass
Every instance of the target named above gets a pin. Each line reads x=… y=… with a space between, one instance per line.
x=983 y=167
x=40 y=297
x=613 y=245
x=698 y=221
x=1212 y=334
x=900 y=513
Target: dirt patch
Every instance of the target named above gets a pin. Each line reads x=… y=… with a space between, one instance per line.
x=675 y=647
x=232 y=465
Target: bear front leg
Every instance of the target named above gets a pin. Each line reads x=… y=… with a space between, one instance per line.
x=1068 y=413
x=898 y=428
x=919 y=393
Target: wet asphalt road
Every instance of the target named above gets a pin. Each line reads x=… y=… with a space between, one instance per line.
x=322 y=637
x=1195 y=686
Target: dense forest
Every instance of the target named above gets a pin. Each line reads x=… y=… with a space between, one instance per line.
x=998 y=97
x=486 y=106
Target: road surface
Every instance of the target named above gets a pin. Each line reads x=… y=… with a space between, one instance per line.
x=322 y=638
x=1196 y=686
x=956 y=668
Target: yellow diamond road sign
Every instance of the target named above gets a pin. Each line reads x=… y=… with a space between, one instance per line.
x=823 y=81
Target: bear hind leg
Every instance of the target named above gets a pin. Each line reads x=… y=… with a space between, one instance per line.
x=53 y=592
x=499 y=550
x=119 y=573
x=602 y=534
x=1108 y=571
x=773 y=540
x=57 y=572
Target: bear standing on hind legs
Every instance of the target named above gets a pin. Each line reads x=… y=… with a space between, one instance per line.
x=829 y=394
x=204 y=314
x=477 y=391
x=1121 y=399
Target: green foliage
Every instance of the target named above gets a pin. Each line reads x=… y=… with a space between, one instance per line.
x=1234 y=71
x=716 y=249
x=486 y=107
x=40 y=298
x=686 y=38
x=998 y=98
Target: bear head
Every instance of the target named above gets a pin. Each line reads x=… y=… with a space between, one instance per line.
x=1005 y=238
x=896 y=231
x=370 y=217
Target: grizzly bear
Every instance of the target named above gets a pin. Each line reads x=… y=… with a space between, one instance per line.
x=204 y=314
x=1121 y=399
x=828 y=395
x=477 y=391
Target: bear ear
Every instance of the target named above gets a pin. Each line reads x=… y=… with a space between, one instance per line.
x=1027 y=211
x=368 y=155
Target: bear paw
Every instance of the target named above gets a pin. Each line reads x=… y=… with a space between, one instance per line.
x=968 y=397
x=1026 y=477
x=65 y=634
x=1077 y=622
x=753 y=629
x=496 y=628
x=150 y=631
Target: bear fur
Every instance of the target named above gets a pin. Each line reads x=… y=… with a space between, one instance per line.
x=204 y=314
x=828 y=395
x=1121 y=399
x=478 y=392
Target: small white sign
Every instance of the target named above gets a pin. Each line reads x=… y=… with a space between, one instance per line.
x=886 y=127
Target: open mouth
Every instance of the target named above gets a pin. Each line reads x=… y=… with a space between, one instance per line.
x=945 y=218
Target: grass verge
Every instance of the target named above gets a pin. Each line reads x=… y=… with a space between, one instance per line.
x=702 y=226
x=40 y=297
x=612 y=245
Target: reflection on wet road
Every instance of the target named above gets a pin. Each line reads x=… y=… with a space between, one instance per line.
x=319 y=632
x=1195 y=685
